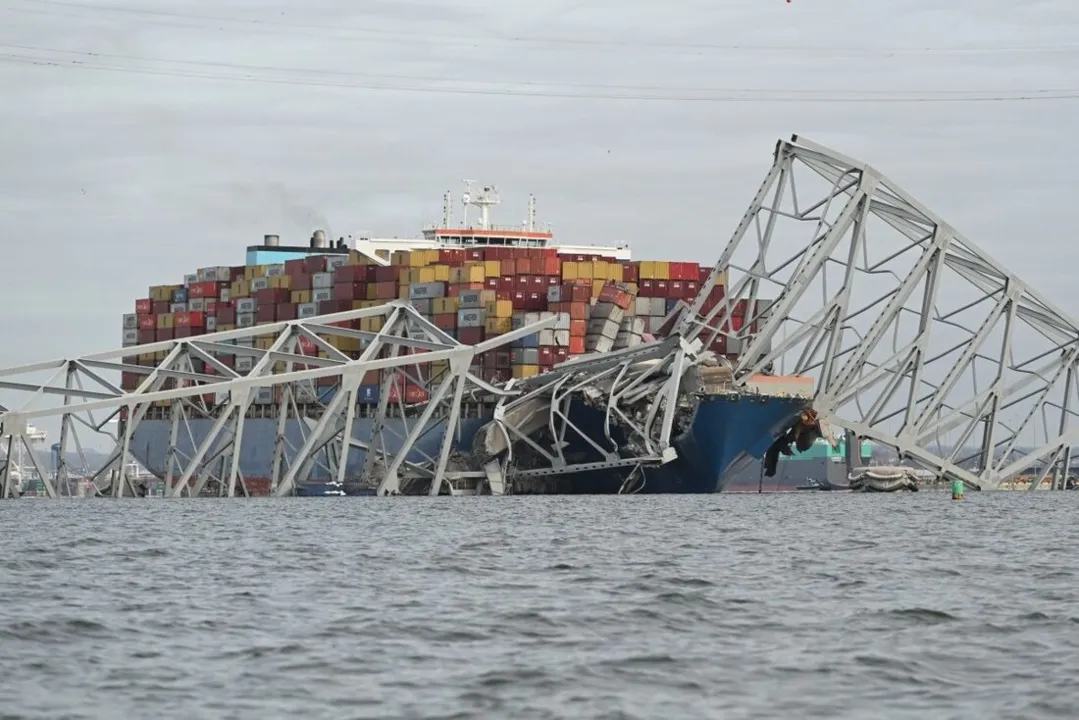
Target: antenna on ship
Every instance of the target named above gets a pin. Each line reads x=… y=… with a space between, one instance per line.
x=447 y=210
x=531 y=213
x=483 y=199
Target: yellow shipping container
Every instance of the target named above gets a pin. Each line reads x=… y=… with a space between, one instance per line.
x=223 y=328
x=346 y=344
x=443 y=305
x=399 y=257
x=372 y=291
x=264 y=343
x=599 y=270
x=164 y=321
x=240 y=288
x=492 y=268
x=254 y=271
x=442 y=273
x=163 y=403
x=615 y=272
x=500 y=309
x=632 y=287
x=419 y=258
x=145 y=359
x=357 y=258
x=498 y=325
x=300 y=296
x=473 y=272
x=371 y=324
x=584 y=271
x=402 y=291
x=655 y=270
x=159 y=356
x=569 y=270
x=427 y=274
x=521 y=372
x=283 y=282
x=359 y=304
x=597 y=287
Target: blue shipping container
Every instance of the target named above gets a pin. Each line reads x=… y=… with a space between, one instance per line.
x=327 y=394
x=369 y=394
x=179 y=295
x=672 y=303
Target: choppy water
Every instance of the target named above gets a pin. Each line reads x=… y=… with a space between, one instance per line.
x=793 y=606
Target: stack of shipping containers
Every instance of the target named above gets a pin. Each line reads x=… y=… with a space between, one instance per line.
x=472 y=295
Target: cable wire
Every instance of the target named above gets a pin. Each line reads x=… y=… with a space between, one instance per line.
x=384 y=35
x=514 y=89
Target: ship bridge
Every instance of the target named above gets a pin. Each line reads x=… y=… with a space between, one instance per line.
x=915 y=338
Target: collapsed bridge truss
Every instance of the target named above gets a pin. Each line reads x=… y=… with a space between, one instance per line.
x=916 y=338
x=285 y=365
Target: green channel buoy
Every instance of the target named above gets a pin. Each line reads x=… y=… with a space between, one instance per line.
x=957 y=489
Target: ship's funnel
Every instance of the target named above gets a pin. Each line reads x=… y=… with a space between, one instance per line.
x=318 y=239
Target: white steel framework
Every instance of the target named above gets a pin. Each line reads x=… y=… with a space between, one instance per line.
x=916 y=338
x=288 y=359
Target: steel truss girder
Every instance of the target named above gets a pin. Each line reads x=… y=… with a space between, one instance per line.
x=223 y=395
x=638 y=389
x=916 y=338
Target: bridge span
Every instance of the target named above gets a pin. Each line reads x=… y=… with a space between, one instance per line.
x=916 y=338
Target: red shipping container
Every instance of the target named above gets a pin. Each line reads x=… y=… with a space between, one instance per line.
x=211 y=308
x=446 y=321
x=266 y=312
x=703 y=273
x=523 y=266
x=129 y=381
x=690 y=288
x=327 y=307
x=676 y=289
x=298 y=281
x=180 y=319
x=350 y=274
x=470 y=336
x=647 y=288
x=286 y=311
x=548 y=265
x=386 y=290
x=306 y=347
x=662 y=288
x=453 y=258
x=147 y=322
x=491 y=283
x=160 y=308
x=203 y=290
x=181 y=331
x=537 y=301
x=577 y=328
x=716 y=293
x=546 y=356
x=537 y=283
x=612 y=294
x=295 y=267
x=473 y=255
x=576 y=345
x=572 y=292
x=576 y=310
x=629 y=272
x=226 y=315
x=272 y=296
x=507 y=267
x=164 y=334
x=315 y=263
x=560 y=354
x=518 y=284
x=196 y=319
x=147 y=336
x=144 y=306
x=237 y=272
x=415 y=394
x=455 y=290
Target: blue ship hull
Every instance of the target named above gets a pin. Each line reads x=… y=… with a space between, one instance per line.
x=725 y=431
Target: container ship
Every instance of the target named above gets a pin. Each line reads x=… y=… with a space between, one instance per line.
x=474 y=280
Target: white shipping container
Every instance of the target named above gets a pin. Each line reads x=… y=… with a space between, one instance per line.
x=211 y=324
x=245 y=342
x=626 y=340
x=131 y=321
x=224 y=294
x=264 y=396
x=734 y=345
x=221 y=398
x=599 y=343
x=322 y=281
x=245 y=305
x=423 y=307
x=244 y=363
x=601 y=327
x=546 y=337
x=261 y=283
x=322 y=295
x=306 y=310
x=427 y=290
x=131 y=337
x=632 y=325
x=561 y=338
x=177 y=307
x=191 y=279
x=245 y=319
x=562 y=323
x=335 y=261
x=275 y=270
x=196 y=304
x=642 y=306
x=471 y=317
x=224 y=274
x=554 y=293
x=204 y=274
x=657 y=307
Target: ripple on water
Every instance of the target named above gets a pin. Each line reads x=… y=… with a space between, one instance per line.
x=760 y=606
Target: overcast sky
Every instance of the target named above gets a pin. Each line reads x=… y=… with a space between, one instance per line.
x=113 y=180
